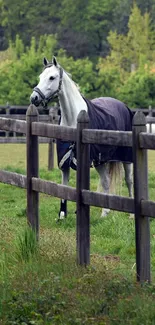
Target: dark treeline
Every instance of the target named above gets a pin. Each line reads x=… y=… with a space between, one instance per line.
x=107 y=45
x=81 y=26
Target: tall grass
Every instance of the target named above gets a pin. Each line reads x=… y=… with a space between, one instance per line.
x=26 y=245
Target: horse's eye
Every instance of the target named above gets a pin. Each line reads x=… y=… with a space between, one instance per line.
x=51 y=78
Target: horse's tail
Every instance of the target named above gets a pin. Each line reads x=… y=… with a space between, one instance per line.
x=116 y=176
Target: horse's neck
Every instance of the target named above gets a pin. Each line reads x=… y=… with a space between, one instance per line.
x=71 y=102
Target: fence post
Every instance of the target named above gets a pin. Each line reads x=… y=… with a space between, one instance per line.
x=32 y=170
x=51 y=143
x=142 y=224
x=83 y=178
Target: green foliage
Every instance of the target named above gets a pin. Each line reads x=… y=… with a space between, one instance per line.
x=138 y=90
x=109 y=79
x=55 y=300
x=82 y=71
x=18 y=47
x=19 y=76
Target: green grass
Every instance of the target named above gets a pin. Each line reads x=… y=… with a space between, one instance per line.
x=43 y=285
x=17 y=158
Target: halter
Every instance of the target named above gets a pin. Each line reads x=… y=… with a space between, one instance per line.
x=45 y=100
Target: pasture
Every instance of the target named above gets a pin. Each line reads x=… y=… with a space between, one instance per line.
x=47 y=287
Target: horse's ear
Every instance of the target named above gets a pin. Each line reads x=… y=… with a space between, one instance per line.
x=55 y=61
x=45 y=61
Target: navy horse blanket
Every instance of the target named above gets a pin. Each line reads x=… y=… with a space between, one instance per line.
x=105 y=113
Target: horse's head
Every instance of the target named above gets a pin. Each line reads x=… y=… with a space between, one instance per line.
x=49 y=84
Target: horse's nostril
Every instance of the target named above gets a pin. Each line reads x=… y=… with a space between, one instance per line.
x=34 y=99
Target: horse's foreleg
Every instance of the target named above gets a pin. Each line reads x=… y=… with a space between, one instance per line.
x=63 y=203
x=104 y=173
x=63 y=209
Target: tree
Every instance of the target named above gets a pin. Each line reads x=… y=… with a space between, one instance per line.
x=123 y=12
x=140 y=38
x=129 y=50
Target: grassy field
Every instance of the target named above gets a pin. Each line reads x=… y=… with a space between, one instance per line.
x=43 y=285
x=15 y=155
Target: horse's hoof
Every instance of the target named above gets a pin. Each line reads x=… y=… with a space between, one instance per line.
x=105 y=213
x=59 y=219
x=131 y=216
x=62 y=215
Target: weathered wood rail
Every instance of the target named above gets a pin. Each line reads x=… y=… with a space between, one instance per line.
x=140 y=205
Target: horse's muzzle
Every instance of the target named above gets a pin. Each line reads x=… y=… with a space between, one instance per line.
x=35 y=99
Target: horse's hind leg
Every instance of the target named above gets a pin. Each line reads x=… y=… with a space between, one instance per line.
x=128 y=168
x=104 y=173
x=63 y=203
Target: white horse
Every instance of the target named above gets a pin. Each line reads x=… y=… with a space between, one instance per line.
x=54 y=81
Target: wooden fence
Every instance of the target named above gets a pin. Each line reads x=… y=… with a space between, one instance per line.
x=51 y=116
x=140 y=205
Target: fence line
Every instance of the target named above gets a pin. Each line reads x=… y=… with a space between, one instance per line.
x=53 y=118
x=9 y=107
x=140 y=205
x=113 y=202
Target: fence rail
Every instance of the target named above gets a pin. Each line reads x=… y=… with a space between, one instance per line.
x=42 y=118
x=8 y=124
x=54 y=131
x=13 y=179
x=21 y=140
x=140 y=205
x=113 y=202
